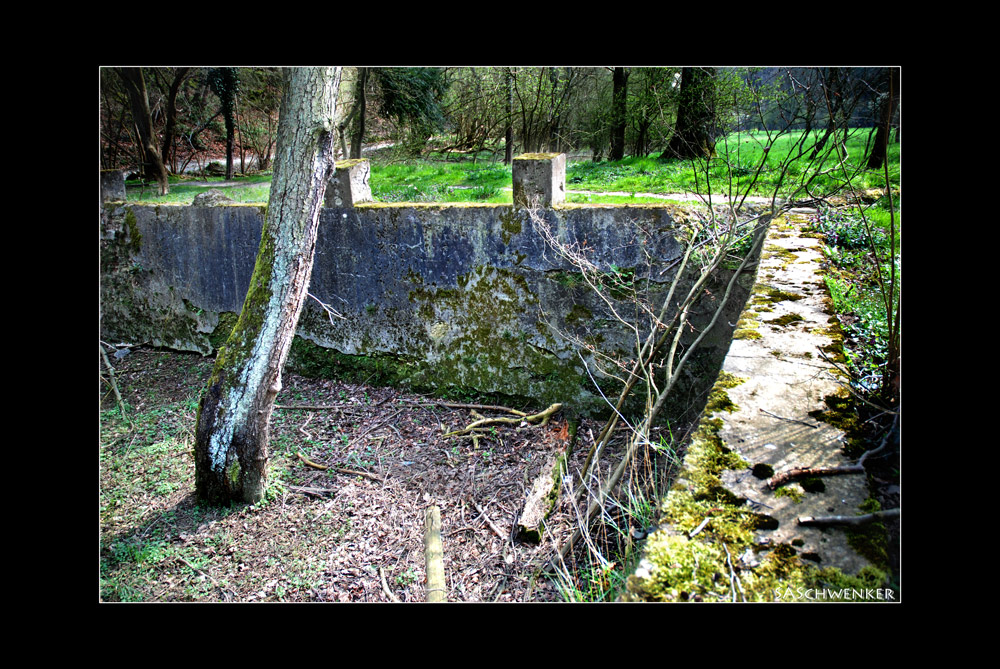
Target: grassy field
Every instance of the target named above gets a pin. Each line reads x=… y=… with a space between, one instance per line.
x=755 y=163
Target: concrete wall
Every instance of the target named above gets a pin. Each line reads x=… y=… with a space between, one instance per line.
x=449 y=298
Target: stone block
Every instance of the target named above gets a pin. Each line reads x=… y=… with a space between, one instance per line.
x=539 y=179
x=112 y=185
x=349 y=184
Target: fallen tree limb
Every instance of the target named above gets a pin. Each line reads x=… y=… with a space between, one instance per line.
x=802 y=472
x=385 y=586
x=849 y=520
x=339 y=470
x=542 y=416
x=306 y=490
x=857 y=468
x=462 y=405
x=489 y=522
x=434 y=555
x=114 y=384
x=320 y=407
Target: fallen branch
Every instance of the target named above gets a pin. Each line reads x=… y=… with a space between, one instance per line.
x=385 y=586
x=225 y=593
x=114 y=384
x=802 y=472
x=306 y=490
x=849 y=520
x=339 y=470
x=434 y=555
x=302 y=428
x=543 y=416
x=857 y=468
x=318 y=407
x=490 y=522
x=461 y=405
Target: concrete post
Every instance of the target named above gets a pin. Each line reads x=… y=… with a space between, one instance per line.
x=349 y=184
x=539 y=179
x=112 y=185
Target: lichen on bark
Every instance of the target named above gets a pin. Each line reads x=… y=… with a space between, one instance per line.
x=231 y=439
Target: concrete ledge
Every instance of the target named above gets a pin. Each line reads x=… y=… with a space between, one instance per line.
x=770 y=411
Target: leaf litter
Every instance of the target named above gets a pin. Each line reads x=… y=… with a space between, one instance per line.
x=352 y=532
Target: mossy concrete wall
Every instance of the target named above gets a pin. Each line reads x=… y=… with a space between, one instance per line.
x=451 y=298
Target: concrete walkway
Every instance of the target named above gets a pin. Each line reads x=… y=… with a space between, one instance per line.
x=763 y=418
x=786 y=326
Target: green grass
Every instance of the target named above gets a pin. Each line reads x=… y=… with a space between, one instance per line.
x=856 y=260
x=754 y=162
x=253 y=189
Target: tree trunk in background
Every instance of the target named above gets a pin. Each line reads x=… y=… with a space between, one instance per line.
x=152 y=163
x=619 y=78
x=231 y=439
x=358 y=131
x=508 y=154
x=832 y=84
x=168 y=131
x=224 y=82
x=889 y=102
x=694 y=132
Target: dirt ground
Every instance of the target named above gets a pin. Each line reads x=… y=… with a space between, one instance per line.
x=354 y=531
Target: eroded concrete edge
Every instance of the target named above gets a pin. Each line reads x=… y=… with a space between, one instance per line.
x=724 y=534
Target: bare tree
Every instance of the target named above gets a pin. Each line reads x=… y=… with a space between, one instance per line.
x=152 y=162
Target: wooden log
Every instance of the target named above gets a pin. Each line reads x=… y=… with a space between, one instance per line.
x=545 y=490
x=434 y=556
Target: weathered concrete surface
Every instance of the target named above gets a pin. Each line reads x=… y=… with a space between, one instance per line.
x=787 y=382
x=763 y=418
x=463 y=296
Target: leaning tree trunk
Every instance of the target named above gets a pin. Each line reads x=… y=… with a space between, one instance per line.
x=231 y=440
x=152 y=162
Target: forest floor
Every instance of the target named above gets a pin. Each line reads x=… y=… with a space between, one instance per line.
x=350 y=533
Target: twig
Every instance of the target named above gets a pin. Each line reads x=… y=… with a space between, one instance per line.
x=698 y=529
x=734 y=580
x=339 y=470
x=801 y=472
x=330 y=311
x=489 y=522
x=302 y=429
x=543 y=416
x=385 y=586
x=318 y=407
x=227 y=595
x=114 y=384
x=306 y=490
x=790 y=420
x=461 y=405
x=857 y=468
x=849 y=520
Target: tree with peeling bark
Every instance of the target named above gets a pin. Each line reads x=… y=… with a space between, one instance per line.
x=231 y=439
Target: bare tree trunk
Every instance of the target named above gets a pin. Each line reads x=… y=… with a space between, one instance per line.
x=889 y=102
x=358 y=133
x=231 y=440
x=694 y=132
x=618 y=111
x=168 y=131
x=509 y=127
x=152 y=162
